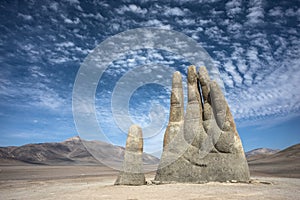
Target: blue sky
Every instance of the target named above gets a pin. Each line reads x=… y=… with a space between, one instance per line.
x=255 y=46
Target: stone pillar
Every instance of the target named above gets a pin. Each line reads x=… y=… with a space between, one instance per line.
x=132 y=172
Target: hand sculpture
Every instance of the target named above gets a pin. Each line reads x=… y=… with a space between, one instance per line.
x=202 y=145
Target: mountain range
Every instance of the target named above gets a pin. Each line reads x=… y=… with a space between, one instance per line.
x=268 y=162
x=262 y=161
x=69 y=152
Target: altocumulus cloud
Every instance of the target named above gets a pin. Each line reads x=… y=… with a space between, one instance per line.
x=255 y=45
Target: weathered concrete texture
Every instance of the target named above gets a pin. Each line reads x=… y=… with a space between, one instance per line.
x=176 y=109
x=205 y=145
x=132 y=173
x=174 y=143
x=194 y=133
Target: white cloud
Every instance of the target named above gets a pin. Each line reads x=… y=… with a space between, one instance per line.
x=212 y=31
x=203 y=22
x=266 y=123
x=28 y=135
x=59 y=59
x=255 y=16
x=235 y=75
x=75 y=21
x=65 y=44
x=48 y=98
x=97 y=16
x=275 y=95
x=216 y=34
x=73 y=1
x=235 y=29
x=291 y=12
x=252 y=54
x=233 y=8
x=276 y=12
x=34 y=94
x=36 y=71
x=174 y=11
x=25 y=17
x=54 y=6
x=227 y=80
x=83 y=51
x=255 y=13
x=131 y=8
x=156 y=23
x=186 y=22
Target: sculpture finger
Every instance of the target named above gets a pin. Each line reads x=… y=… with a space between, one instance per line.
x=205 y=88
x=177 y=100
x=132 y=173
x=134 y=140
x=193 y=129
x=218 y=103
x=176 y=108
x=229 y=140
x=221 y=109
x=204 y=82
x=193 y=89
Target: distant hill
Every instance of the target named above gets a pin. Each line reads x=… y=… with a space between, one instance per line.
x=260 y=153
x=262 y=162
x=285 y=163
x=69 y=152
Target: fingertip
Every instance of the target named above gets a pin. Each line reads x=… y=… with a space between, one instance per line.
x=177 y=80
x=192 y=74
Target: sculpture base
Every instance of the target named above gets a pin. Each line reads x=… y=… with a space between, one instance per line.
x=126 y=178
x=220 y=167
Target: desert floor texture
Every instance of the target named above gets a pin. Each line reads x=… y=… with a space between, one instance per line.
x=92 y=182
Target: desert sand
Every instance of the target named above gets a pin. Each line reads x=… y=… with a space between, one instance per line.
x=92 y=182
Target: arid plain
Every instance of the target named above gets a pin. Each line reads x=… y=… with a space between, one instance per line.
x=97 y=182
x=92 y=182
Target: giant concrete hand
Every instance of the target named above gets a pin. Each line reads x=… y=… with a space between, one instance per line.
x=202 y=145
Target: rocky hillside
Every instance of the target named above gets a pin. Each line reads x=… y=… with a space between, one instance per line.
x=69 y=152
x=260 y=153
x=285 y=163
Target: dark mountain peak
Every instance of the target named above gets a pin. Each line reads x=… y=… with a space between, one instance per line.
x=73 y=139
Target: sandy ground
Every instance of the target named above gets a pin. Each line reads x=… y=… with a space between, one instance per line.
x=90 y=182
